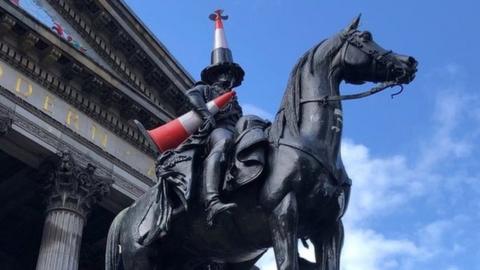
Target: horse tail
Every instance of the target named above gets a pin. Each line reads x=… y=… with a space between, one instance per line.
x=113 y=250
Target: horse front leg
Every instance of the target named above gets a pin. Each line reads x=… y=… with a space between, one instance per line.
x=328 y=244
x=283 y=225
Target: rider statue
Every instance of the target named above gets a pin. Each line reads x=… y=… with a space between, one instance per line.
x=219 y=77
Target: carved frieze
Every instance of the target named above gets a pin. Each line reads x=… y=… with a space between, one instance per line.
x=110 y=96
x=77 y=125
x=119 y=39
x=52 y=140
x=92 y=84
x=51 y=55
x=131 y=109
x=72 y=70
x=29 y=41
x=7 y=22
x=76 y=97
x=101 y=19
x=138 y=57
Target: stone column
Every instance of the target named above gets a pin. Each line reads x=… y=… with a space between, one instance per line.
x=72 y=190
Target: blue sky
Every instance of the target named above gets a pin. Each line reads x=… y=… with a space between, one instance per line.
x=413 y=160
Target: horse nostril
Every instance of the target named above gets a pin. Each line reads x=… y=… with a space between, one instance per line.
x=408 y=60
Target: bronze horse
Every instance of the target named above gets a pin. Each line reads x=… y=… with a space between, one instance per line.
x=304 y=190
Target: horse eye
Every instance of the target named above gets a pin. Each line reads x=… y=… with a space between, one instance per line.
x=367 y=36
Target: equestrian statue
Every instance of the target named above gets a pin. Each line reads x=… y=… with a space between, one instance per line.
x=232 y=186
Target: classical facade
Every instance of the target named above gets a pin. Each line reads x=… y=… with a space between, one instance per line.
x=73 y=75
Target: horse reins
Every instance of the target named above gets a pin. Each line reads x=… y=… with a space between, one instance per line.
x=329 y=98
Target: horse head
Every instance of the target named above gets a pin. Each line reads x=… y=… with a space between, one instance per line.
x=351 y=56
x=362 y=59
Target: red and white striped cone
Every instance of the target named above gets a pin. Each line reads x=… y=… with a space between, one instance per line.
x=221 y=57
x=220 y=53
x=173 y=133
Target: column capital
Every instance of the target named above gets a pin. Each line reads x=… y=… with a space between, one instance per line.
x=6 y=121
x=70 y=186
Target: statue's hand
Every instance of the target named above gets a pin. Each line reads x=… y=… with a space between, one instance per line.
x=208 y=124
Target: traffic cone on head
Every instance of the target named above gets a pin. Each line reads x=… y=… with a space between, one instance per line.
x=173 y=133
x=221 y=57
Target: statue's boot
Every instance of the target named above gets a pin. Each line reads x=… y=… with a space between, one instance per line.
x=212 y=178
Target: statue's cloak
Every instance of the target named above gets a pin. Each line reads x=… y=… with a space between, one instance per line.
x=175 y=171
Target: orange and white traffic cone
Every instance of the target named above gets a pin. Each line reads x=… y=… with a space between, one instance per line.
x=173 y=133
x=221 y=57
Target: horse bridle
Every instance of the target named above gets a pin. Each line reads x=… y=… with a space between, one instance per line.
x=351 y=38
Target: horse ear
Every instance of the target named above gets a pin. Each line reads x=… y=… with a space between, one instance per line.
x=354 y=24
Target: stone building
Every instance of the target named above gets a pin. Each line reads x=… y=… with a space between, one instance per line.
x=73 y=74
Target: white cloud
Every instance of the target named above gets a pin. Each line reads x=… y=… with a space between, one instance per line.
x=378 y=184
x=451 y=110
x=382 y=186
x=255 y=110
x=440 y=236
x=369 y=250
x=433 y=233
x=267 y=262
x=453 y=69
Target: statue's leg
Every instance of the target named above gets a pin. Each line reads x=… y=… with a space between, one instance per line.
x=328 y=244
x=283 y=225
x=215 y=166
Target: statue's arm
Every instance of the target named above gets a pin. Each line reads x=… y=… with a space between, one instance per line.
x=195 y=95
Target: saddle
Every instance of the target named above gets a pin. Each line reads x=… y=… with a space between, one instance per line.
x=250 y=154
x=178 y=170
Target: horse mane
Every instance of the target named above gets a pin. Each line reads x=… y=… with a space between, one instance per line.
x=289 y=112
